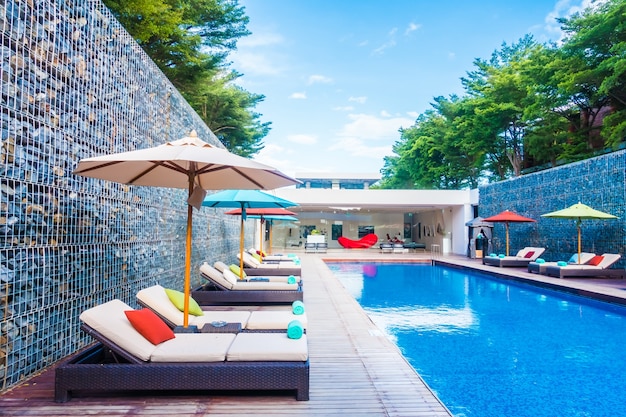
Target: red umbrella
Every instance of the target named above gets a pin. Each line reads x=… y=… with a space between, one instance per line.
x=269 y=211
x=507 y=217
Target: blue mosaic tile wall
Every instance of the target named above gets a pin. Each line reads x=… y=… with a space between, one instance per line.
x=74 y=84
x=598 y=182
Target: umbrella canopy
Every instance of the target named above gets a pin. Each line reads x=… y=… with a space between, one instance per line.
x=579 y=212
x=247 y=202
x=185 y=163
x=478 y=222
x=507 y=217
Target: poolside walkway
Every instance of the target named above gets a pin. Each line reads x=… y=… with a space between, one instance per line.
x=355 y=370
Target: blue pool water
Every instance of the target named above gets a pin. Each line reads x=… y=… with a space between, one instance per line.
x=494 y=348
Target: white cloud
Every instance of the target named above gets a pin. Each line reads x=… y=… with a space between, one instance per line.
x=298 y=96
x=255 y=64
x=365 y=126
x=258 y=39
x=355 y=147
x=319 y=79
x=255 y=54
x=359 y=100
x=302 y=139
x=389 y=44
x=269 y=156
x=565 y=9
x=412 y=28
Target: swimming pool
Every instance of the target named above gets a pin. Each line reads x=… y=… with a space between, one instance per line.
x=491 y=347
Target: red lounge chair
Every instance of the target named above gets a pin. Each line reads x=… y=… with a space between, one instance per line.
x=366 y=241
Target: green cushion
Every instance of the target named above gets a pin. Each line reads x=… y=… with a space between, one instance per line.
x=235 y=269
x=178 y=299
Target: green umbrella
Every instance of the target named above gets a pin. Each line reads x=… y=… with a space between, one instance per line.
x=579 y=212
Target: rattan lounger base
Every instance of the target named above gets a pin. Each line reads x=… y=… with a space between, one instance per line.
x=564 y=272
x=207 y=295
x=93 y=370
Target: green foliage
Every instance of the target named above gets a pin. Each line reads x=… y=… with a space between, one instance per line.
x=529 y=105
x=189 y=41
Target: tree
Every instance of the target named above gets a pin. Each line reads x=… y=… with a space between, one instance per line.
x=189 y=41
x=596 y=45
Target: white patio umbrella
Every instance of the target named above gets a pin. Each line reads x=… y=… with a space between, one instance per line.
x=185 y=163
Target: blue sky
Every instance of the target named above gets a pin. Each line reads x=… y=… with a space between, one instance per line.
x=340 y=77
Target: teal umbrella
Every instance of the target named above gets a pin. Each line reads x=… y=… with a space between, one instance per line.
x=243 y=200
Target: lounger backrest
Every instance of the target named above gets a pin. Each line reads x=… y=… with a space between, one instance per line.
x=250 y=260
x=220 y=266
x=609 y=259
x=214 y=275
x=157 y=300
x=536 y=252
x=230 y=277
x=109 y=320
x=584 y=258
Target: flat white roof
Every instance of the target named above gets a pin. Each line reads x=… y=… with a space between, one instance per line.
x=382 y=200
x=302 y=176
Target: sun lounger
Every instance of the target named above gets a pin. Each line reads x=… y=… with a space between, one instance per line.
x=156 y=299
x=125 y=360
x=540 y=268
x=399 y=248
x=255 y=276
x=253 y=266
x=386 y=248
x=224 y=289
x=274 y=258
x=600 y=266
x=521 y=259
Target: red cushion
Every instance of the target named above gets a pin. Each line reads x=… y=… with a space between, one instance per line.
x=146 y=322
x=529 y=254
x=595 y=261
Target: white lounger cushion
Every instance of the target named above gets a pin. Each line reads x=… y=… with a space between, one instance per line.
x=109 y=320
x=216 y=275
x=221 y=267
x=267 y=347
x=253 y=286
x=157 y=300
x=252 y=262
x=194 y=347
x=268 y=320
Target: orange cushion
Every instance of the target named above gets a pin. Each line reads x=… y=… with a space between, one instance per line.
x=529 y=254
x=146 y=322
x=595 y=261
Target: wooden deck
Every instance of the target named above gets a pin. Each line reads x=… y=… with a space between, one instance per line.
x=355 y=370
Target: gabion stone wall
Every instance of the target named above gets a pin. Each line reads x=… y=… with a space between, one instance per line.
x=598 y=182
x=74 y=84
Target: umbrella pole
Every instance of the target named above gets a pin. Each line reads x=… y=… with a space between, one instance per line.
x=188 y=255
x=241 y=246
x=261 y=238
x=507 y=238
x=269 y=250
x=579 y=245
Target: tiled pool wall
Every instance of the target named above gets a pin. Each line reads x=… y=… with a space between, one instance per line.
x=597 y=182
x=74 y=85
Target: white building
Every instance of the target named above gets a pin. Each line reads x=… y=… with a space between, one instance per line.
x=343 y=205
